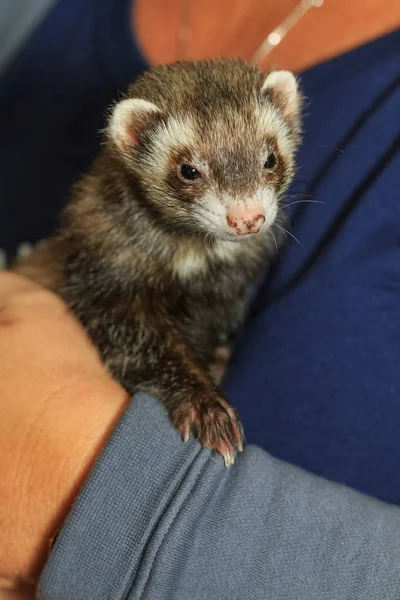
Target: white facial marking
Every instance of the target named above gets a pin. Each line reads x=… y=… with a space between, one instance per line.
x=272 y=125
x=212 y=211
x=175 y=133
x=264 y=200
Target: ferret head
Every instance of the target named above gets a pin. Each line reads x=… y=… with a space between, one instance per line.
x=210 y=144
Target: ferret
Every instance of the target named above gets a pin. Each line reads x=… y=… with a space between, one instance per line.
x=164 y=237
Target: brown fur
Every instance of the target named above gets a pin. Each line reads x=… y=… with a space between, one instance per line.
x=156 y=291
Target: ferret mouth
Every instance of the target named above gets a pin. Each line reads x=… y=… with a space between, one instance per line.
x=232 y=229
x=237 y=223
x=224 y=234
x=227 y=236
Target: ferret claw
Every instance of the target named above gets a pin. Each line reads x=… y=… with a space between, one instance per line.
x=215 y=423
x=228 y=459
x=186 y=434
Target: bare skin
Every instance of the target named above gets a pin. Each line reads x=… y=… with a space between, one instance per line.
x=56 y=417
x=63 y=366
x=231 y=28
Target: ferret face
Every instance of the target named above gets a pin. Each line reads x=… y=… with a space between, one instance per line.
x=212 y=145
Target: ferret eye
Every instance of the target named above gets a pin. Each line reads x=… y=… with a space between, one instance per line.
x=188 y=172
x=270 y=163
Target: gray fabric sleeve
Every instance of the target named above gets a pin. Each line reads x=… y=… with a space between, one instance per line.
x=17 y=20
x=161 y=519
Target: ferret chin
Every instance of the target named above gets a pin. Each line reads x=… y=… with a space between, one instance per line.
x=196 y=158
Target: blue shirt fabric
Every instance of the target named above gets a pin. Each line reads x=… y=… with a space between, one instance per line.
x=53 y=101
x=316 y=374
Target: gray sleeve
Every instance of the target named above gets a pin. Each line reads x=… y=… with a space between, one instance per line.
x=160 y=519
x=17 y=20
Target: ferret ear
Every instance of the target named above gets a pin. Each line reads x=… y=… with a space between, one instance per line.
x=129 y=119
x=283 y=89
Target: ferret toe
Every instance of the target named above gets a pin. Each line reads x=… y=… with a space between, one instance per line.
x=215 y=423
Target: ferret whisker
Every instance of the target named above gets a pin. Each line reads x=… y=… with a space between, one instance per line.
x=275 y=242
x=302 y=202
x=203 y=216
x=213 y=213
x=297 y=195
x=285 y=231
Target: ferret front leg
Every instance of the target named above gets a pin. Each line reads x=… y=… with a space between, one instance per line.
x=192 y=400
x=196 y=404
x=217 y=368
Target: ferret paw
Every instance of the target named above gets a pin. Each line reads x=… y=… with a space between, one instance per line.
x=215 y=423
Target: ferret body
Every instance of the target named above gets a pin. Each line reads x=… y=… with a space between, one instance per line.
x=164 y=237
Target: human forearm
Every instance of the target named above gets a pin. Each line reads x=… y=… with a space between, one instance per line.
x=157 y=515
x=58 y=406
x=159 y=518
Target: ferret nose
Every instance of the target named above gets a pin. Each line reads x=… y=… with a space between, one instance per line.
x=244 y=222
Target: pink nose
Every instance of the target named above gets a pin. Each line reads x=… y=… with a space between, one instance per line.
x=245 y=222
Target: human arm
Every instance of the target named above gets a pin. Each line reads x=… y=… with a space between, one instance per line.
x=58 y=405
x=161 y=519
x=157 y=517
x=18 y=18
x=204 y=29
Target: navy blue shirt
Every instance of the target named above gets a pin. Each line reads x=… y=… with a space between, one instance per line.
x=316 y=375
x=53 y=101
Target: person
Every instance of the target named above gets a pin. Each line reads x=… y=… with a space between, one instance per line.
x=315 y=375
x=156 y=518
